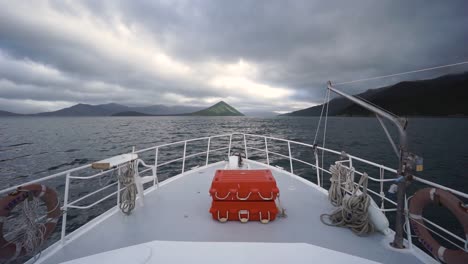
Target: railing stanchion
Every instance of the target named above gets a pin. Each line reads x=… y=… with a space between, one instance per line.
x=408 y=226
x=183 y=158
x=317 y=168
x=245 y=147
x=156 y=154
x=266 y=151
x=351 y=167
x=290 y=157
x=208 y=151
x=382 y=193
x=229 y=148
x=118 y=185
x=65 y=208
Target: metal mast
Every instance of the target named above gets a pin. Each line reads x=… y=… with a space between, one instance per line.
x=404 y=174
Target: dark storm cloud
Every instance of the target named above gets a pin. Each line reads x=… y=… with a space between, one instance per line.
x=289 y=47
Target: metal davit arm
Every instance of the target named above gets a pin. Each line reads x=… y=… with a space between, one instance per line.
x=399 y=221
x=398 y=122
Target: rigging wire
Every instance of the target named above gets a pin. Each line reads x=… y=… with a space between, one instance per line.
x=402 y=73
x=325 y=129
x=392 y=75
x=327 y=96
x=320 y=119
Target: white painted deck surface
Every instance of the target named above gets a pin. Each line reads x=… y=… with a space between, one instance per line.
x=220 y=252
x=178 y=211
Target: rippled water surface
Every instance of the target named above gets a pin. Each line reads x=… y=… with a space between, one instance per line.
x=36 y=147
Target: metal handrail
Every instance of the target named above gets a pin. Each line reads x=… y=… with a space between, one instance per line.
x=92 y=176
x=381 y=180
x=71 y=204
x=53 y=176
x=91 y=194
x=157 y=149
x=181 y=142
x=456 y=192
x=68 y=176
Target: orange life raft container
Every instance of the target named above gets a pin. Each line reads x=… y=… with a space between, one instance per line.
x=244 y=195
x=244 y=211
x=242 y=185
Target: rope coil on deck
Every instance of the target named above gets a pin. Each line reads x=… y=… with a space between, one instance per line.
x=353 y=212
x=340 y=175
x=129 y=192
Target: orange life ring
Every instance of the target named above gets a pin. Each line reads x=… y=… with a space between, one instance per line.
x=10 y=250
x=420 y=200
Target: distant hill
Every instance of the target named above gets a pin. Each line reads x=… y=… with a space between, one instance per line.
x=219 y=109
x=113 y=109
x=166 y=110
x=80 y=110
x=130 y=113
x=442 y=96
x=6 y=113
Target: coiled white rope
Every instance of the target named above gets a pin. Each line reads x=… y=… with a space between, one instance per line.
x=340 y=181
x=34 y=233
x=30 y=235
x=353 y=212
x=127 y=182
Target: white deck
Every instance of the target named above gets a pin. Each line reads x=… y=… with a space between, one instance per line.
x=220 y=252
x=178 y=211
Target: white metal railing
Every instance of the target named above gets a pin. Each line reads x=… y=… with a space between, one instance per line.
x=69 y=175
x=350 y=159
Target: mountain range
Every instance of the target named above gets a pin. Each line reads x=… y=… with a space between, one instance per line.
x=113 y=109
x=443 y=96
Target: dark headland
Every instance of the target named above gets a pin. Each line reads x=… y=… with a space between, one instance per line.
x=445 y=96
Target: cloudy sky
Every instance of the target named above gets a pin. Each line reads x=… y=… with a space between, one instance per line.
x=256 y=55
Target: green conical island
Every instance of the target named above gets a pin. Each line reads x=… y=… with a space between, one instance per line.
x=219 y=109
